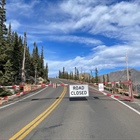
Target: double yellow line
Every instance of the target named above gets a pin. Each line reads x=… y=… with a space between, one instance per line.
x=29 y=127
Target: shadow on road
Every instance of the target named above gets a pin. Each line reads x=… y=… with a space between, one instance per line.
x=78 y=99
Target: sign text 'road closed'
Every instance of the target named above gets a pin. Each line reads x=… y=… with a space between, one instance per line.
x=78 y=91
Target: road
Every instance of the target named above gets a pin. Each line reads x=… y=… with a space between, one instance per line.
x=96 y=117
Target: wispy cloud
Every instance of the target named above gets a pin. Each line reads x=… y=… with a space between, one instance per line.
x=83 y=40
x=81 y=22
x=103 y=57
x=18 y=8
x=76 y=15
x=14 y=23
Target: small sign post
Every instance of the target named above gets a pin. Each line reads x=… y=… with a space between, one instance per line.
x=101 y=86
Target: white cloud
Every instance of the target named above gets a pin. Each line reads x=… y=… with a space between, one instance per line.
x=83 y=40
x=95 y=17
x=19 y=8
x=125 y=14
x=14 y=23
x=102 y=19
x=103 y=57
x=59 y=22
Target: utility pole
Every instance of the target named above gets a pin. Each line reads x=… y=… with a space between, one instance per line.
x=128 y=79
x=127 y=71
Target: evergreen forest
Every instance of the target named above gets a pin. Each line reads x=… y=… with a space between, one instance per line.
x=17 y=63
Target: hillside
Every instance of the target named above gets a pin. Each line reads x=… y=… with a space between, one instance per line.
x=121 y=75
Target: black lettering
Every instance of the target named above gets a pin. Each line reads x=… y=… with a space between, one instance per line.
x=78 y=87
x=71 y=93
x=73 y=87
x=85 y=92
x=77 y=92
x=82 y=87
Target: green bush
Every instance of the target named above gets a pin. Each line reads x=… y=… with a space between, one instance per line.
x=4 y=92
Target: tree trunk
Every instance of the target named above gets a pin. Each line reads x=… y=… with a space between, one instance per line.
x=23 y=62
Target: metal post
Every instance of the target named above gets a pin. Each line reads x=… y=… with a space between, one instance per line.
x=128 y=79
x=127 y=67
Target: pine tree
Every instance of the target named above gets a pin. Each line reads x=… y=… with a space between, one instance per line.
x=107 y=78
x=47 y=70
x=75 y=76
x=17 y=50
x=3 y=29
x=72 y=77
x=77 y=73
x=41 y=63
x=28 y=64
x=13 y=52
x=8 y=77
x=63 y=73
x=103 y=78
x=3 y=33
x=59 y=74
x=35 y=61
x=96 y=75
x=9 y=45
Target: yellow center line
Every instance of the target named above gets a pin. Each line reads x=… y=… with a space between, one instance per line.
x=29 y=127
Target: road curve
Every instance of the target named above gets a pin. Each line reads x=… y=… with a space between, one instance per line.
x=96 y=117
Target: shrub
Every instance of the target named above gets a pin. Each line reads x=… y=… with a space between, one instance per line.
x=4 y=92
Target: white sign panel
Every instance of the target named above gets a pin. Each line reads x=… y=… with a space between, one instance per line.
x=78 y=91
x=101 y=86
x=54 y=85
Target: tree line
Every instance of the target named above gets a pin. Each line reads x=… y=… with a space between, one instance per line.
x=17 y=64
x=76 y=75
x=89 y=78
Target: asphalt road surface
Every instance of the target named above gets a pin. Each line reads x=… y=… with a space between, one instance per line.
x=49 y=114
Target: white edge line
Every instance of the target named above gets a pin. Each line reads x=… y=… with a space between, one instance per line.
x=127 y=106
x=21 y=99
x=136 y=111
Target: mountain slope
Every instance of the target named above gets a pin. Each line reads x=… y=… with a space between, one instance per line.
x=122 y=76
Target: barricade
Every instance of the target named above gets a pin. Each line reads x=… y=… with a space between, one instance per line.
x=130 y=91
x=26 y=89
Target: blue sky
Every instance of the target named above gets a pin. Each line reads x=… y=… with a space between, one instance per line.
x=86 y=34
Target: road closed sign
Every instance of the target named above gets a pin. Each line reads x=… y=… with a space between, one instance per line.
x=78 y=91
